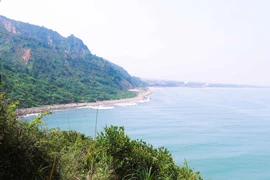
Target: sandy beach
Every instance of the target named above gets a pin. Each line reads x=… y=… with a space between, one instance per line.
x=141 y=95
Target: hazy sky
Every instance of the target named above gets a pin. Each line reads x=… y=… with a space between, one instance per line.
x=225 y=41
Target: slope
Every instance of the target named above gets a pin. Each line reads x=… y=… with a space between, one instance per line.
x=40 y=67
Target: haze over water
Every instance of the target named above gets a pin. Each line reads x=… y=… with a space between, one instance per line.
x=213 y=41
x=223 y=133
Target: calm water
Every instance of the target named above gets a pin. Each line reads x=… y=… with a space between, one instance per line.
x=223 y=133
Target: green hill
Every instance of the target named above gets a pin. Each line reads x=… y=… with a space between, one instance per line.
x=40 y=67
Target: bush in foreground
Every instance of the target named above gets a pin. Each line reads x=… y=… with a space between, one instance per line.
x=30 y=151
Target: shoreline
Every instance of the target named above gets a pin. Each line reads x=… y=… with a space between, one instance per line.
x=141 y=95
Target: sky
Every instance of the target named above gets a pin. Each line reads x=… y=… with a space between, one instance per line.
x=214 y=41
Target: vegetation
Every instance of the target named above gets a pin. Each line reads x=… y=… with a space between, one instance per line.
x=40 y=67
x=28 y=150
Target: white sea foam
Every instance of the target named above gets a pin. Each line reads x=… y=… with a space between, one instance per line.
x=84 y=107
x=99 y=107
x=33 y=114
x=126 y=104
x=105 y=107
x=29 y=116
x=144 y=100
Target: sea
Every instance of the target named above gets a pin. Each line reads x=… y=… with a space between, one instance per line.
x=222 y=132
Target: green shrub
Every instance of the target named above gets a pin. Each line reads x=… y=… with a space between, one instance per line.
x=30 y=151
x=20 y=156
x=133 y=159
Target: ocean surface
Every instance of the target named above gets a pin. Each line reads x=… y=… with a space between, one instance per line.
x=223 y=133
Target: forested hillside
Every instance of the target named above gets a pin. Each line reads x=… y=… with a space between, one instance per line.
x=40 y=67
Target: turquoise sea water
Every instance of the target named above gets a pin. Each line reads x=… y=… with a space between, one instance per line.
x=223 y=133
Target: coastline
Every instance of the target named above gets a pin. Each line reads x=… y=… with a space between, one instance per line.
x=141 y=95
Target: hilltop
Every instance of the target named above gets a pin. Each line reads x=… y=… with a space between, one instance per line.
x=40 y=67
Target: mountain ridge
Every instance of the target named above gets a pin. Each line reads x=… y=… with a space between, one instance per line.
x=41 y=67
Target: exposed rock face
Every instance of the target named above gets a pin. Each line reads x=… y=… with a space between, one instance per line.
x=50 y=41
x=10 y=27
x=52 y=69
x=76 y=46
x=26 y=55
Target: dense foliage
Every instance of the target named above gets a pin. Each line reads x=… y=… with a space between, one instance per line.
x=30 y=151
x=40 y=67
